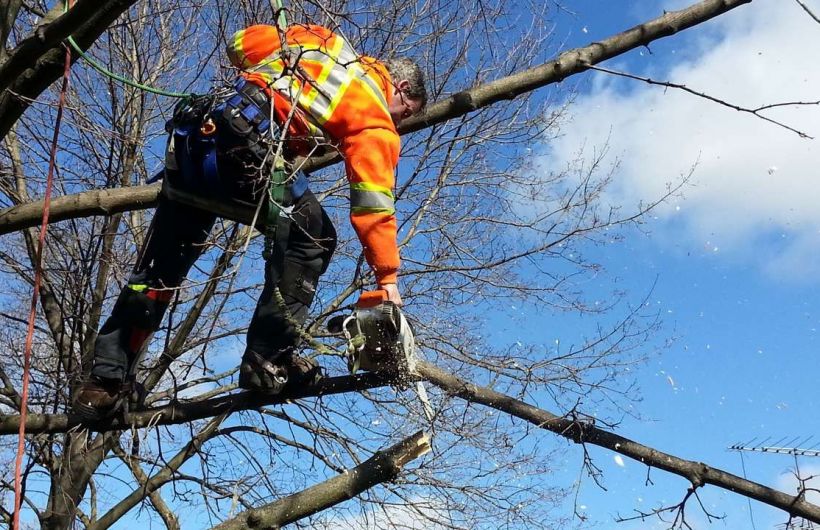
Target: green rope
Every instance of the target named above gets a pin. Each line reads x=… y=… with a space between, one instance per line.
x=282 y=22
x=100 y=68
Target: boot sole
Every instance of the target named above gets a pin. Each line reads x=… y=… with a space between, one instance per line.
x=251 y=381
x=88 y=413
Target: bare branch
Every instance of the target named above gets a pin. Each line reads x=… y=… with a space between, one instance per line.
x=184 y=412
x=696 y=472
x=808 y=10
x=383 y=466
x=44 y=38
x=161 y=477
x=46 y=69
x=679 y=509
x=165 y=512
x=755 y=112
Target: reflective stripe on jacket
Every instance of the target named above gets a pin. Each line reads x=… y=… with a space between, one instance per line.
x=342 y=97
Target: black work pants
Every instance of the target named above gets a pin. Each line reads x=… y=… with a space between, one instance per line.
x=176 y=241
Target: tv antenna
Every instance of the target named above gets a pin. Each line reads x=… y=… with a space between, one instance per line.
x=794 y=446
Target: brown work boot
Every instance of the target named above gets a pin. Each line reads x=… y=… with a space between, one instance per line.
x=273 y=376
x=261 y=375
x=302 y=371
x=99 y=398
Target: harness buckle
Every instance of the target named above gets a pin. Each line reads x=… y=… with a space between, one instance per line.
x=208 y=127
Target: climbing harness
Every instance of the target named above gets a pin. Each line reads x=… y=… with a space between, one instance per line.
x=235 y=123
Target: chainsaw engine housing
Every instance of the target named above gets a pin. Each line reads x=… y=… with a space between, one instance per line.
x=379 y=339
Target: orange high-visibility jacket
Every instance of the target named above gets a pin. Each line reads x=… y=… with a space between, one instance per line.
x=342 y=97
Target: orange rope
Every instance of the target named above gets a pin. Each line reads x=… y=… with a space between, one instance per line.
x=38 y=266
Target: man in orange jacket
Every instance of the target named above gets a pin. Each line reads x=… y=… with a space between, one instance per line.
x=298 y=93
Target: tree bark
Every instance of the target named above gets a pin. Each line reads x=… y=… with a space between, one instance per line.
x=70 y=475
x=27 y=85
x=45 y=38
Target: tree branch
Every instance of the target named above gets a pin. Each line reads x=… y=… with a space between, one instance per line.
x=808 y=10
x=383 y=466
x=86 y=204
x=26 y=86
x=161 y=477
x=165 y=512
x=568 y=63
x=697 y=473
x=754 y=112
x=184 y=412
x=45 y=38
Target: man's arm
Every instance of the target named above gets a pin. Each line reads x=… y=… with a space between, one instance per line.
x=371 y=155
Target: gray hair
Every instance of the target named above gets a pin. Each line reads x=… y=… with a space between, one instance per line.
x=403 y=68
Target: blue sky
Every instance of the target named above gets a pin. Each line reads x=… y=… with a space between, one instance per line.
x=734 y=259
x=731 y=265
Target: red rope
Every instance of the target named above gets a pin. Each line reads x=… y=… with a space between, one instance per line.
x=38 y=267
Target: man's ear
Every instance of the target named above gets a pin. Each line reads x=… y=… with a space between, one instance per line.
x=403 y=85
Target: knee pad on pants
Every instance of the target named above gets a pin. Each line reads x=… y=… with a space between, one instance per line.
x=144 y=307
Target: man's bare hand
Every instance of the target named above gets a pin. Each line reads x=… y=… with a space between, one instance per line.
x=392 y=291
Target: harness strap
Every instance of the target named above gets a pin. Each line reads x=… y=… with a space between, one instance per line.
x=277 y=225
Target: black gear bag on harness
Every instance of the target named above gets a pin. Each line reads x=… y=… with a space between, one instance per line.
x=223 y=147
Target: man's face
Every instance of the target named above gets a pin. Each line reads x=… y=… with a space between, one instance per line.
x=401 y=107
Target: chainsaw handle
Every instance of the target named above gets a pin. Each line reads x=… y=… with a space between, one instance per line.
x=372 y=298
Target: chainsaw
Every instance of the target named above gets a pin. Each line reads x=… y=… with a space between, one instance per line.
x=380 y=339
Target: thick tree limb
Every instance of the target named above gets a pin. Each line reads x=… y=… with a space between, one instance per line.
x=44 y=38
x=571 y=62
x=185 y=412
x=383 y=466
x=97 y=202
x=568 y=63
x=48 y=67
x=697 y=473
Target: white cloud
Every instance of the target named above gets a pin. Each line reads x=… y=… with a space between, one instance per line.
x=756 y=188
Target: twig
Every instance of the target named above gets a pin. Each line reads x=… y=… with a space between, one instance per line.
x=755 y=112
x=807 y=10
x=679 y=522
